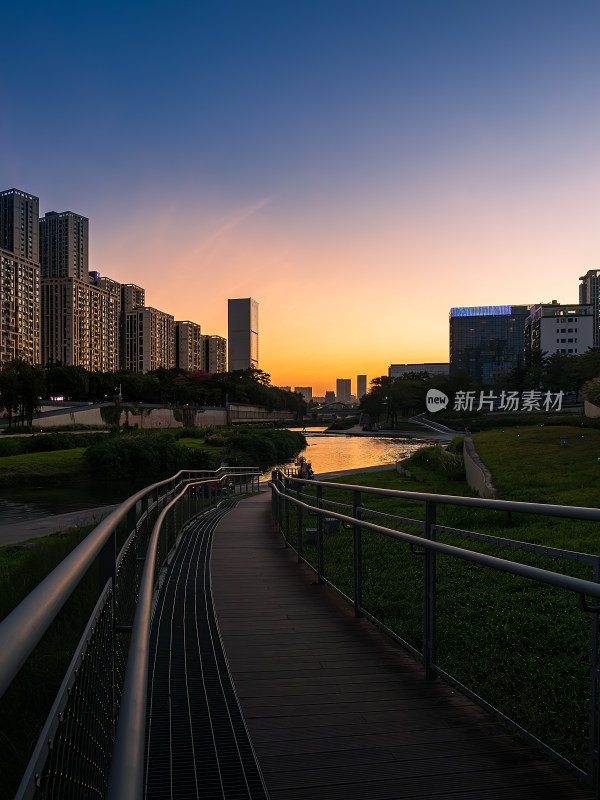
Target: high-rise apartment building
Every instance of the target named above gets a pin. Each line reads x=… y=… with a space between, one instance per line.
x=150 y=339
x=555 y=328
x=19 y=277
x=487 y=341
x=242 y=333
x=361 y=386
x=80 y=323
x=80 y=309
x=214 y=354
x=132 y=296
x=305 y=391
x=63 y=242
x=188 y=345
x=19 y=230
x=589 y=294
x=19 y=308
x=343 y=390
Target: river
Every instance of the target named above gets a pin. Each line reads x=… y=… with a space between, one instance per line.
x=326 y=452
x=334 y=452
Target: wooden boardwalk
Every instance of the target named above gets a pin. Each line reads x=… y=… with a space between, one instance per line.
x=335 y=710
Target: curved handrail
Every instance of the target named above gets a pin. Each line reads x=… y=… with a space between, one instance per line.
x=518 y=506
x=127 y=769
x=578 y=585
x=22 y=629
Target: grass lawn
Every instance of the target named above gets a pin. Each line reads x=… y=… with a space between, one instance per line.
x=530 y=464
x=215 y=452
x=49 y=467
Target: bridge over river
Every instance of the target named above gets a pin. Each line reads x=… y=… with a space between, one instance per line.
x=262 y=681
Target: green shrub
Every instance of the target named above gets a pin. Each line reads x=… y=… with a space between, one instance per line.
x=436 y=460
x=143 y=457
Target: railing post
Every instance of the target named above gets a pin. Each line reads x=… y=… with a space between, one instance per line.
x=357 y=555
x=429 y=592
x=287 y=512
x=594 y=710
x=299 y=524
x=319 y=535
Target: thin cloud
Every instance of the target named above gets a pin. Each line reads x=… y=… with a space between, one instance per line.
x=207 y=245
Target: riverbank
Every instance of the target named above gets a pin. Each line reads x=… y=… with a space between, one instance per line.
x=17 y=532
x=356 y=471
x=413 y=433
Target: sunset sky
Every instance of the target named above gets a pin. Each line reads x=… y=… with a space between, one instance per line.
x=358 y=167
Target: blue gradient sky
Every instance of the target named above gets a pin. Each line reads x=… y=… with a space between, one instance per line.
x=356 y=167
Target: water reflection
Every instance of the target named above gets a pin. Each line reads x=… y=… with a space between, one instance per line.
x=330 y=453
x=20 y=503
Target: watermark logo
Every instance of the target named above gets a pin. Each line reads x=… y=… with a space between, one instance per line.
x=490 y=401
x=436 y=400
x=530 y=400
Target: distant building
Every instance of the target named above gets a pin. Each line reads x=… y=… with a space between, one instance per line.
x=20 y=304
x=343 y=390
x=63 y=242
x=589 y=294
x=330 y=397
x=305 y=391
x=214 y=354
x=19 y=224
x=435 y=368
x=188 y=345
x=555 y=328
x=285 y=388
x=80 y=323
x=361 y=386
x=242 y=336
x=132 y=296
x=150 y=340
x=487 y=341
x=19 y=277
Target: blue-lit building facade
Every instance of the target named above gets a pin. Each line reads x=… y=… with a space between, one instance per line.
x=487 y=341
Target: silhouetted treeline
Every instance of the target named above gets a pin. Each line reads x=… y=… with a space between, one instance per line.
x=22 y=386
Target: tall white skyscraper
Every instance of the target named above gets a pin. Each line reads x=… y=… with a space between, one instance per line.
x=242 y=336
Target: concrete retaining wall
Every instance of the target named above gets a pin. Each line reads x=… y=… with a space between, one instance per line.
x=138 y=418
x=479 y=477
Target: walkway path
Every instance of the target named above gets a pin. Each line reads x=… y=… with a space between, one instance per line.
x=335 y=710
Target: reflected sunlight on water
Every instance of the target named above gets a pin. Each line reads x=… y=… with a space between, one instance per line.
x=334 y=452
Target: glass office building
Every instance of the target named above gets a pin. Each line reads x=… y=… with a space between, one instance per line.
x=487 y=341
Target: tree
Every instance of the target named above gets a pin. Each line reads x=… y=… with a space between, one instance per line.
x=21 y=386
x=67 y=381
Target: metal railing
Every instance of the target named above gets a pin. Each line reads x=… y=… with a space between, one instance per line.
x=489 y=624
x=74 y=753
